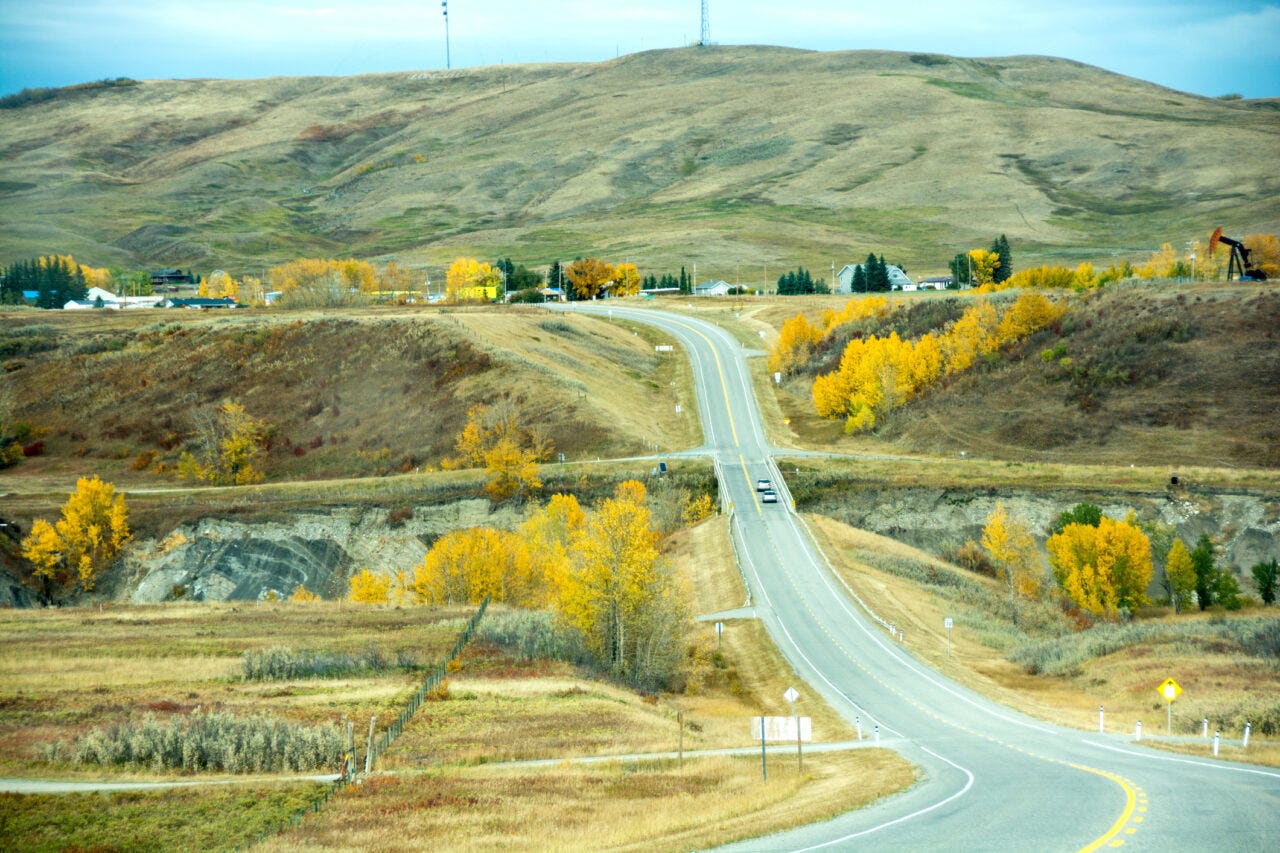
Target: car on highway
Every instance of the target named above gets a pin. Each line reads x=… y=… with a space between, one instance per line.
x=769 y=496
x=763 y=485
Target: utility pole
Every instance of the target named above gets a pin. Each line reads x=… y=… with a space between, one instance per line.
x=444 y=4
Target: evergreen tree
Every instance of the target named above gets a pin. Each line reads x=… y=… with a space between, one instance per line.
x=960 y=268
x=685 y=286
x=1206 y=572
x=877 y=274
x=859 y=282
x=1000 y=246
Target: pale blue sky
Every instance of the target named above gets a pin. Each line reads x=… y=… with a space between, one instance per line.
x=1208 y=48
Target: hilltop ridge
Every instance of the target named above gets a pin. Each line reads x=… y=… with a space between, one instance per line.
x=738 y=159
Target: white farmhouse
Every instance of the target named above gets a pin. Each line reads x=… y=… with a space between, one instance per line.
x=898 y=280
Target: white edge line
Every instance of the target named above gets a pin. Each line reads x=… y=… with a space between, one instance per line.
x=912 y=816
x=1212 y=766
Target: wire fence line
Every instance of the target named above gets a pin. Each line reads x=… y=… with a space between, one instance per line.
x=350 y=775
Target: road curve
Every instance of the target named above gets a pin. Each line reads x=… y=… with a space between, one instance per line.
x=992 y=778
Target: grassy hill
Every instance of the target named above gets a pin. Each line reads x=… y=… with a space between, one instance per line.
x=367 y=392
x=1146 y=373
x=743 y=160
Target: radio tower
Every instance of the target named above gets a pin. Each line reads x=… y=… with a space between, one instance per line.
x=705 y=38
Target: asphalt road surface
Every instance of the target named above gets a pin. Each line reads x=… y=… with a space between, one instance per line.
x=991 y=778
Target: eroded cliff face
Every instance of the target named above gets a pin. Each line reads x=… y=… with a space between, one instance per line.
x=216 y=559
x=1245 y=526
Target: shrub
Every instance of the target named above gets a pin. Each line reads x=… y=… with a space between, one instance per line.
x=213 y=741
x=280 y=664
x=532 y=634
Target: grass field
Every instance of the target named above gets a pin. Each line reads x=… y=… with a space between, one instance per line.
x=71 y=670
x=1228 y=682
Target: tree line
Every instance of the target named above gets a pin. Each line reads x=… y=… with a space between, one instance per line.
x=599 y=571
x=1104 y=567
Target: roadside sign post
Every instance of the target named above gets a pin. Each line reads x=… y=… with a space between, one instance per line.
x=948 y=623
x=680 y=743
x=791 y=696
x=1169 y=690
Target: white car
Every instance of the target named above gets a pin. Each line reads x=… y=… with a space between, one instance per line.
x=763 y=485
x=769 y=496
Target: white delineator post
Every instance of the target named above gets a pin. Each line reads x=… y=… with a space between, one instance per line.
x=1247 y=728
x=1101 y=730
x=1216 y=737
x=1137 y=731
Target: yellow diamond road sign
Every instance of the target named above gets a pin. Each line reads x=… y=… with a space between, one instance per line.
x=1170 y=690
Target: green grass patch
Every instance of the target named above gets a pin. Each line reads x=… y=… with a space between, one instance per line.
x=199 y=818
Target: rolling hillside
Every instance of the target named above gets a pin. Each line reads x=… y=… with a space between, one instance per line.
x=743 y=160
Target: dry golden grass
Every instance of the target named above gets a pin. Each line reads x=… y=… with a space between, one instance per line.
x=790 y=158
x=596 y=389
x=620 y=806
x=1165 y=379
x=1124 y=683
x=69 y=670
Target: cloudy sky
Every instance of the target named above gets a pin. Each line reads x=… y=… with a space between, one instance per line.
x=1211 y=48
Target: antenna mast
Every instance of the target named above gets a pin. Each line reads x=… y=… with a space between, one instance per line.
x=444 y=4
x=705 y=38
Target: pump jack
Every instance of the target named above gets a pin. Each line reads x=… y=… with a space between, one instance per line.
x=1239 y=261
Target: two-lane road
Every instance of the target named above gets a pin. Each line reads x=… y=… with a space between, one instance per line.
x=992 y=779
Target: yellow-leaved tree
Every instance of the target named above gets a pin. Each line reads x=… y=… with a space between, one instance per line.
x=1103 y=569
x=469 y=280
x=796 y=343
x=369 y=587
x=589 y=276
x=1179 y=575
x=550 y=533
x=465 y=566
x=493 y=438
x=626 y=280
x=229 y=448
x=1012 y=548
x=985 y=264
x=76 y=548
x=621 y=596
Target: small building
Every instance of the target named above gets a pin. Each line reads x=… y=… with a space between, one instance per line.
x=198 y=302
x=90 y=304
x=719 y=287
x=897 y=278
x=938 y=282
x=172 y=278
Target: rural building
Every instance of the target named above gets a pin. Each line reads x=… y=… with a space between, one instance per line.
x=897 y=278
x=201 y=302
x=719 y=287
x=172 y=278
x=938 y=282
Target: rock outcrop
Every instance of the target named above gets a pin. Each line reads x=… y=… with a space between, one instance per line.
x=216 y=559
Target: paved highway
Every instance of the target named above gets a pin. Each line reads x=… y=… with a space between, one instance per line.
x=991 y=778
